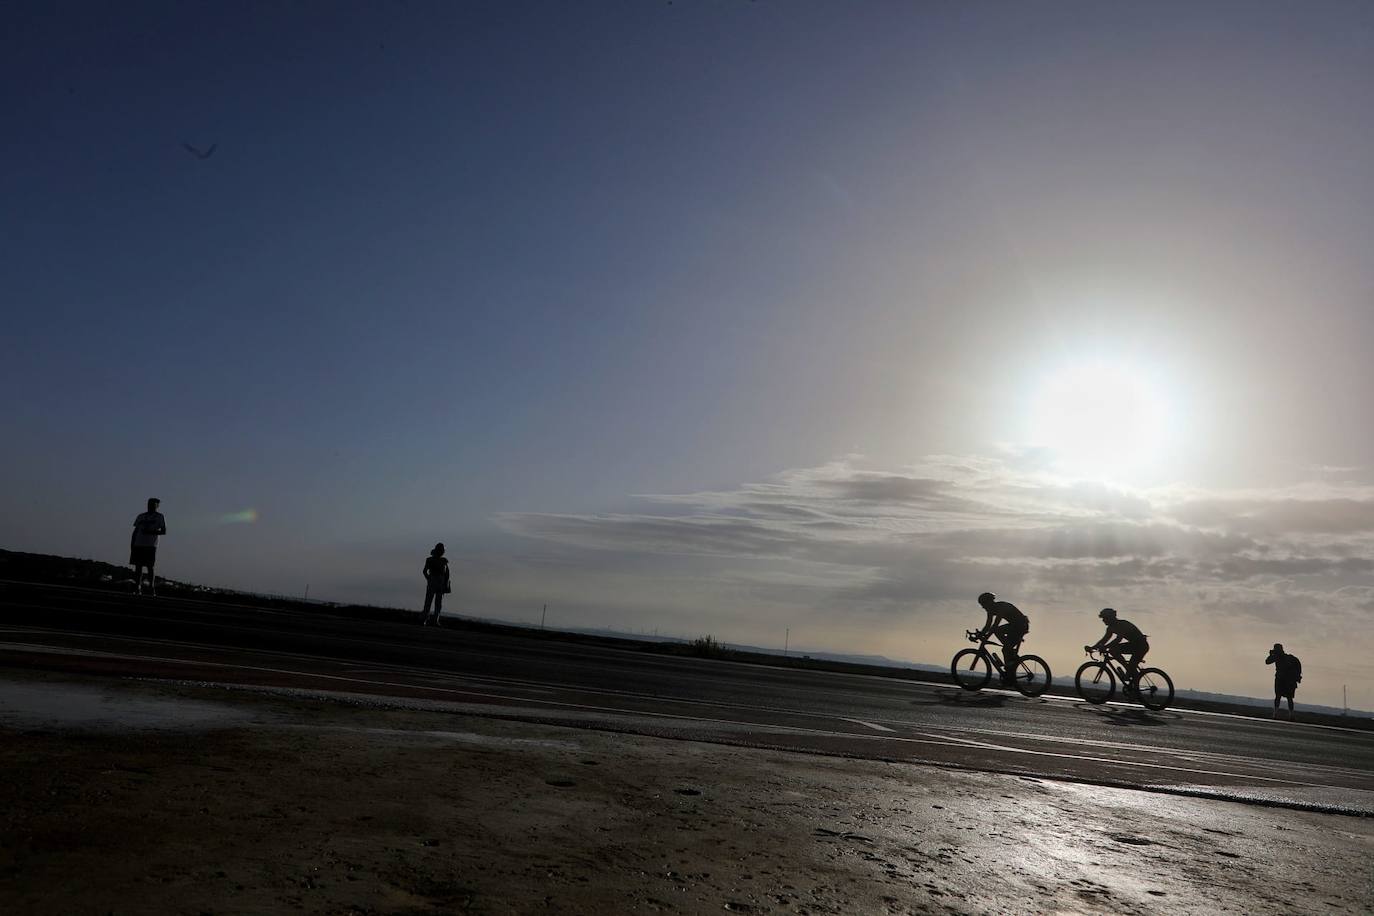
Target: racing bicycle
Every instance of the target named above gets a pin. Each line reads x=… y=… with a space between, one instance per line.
x=1096 y=681
x=973 y=668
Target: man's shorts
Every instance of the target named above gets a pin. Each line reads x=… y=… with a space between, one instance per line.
x=1134 y=649
x=1285 y=689
x=1011 y=634
x=142 y=556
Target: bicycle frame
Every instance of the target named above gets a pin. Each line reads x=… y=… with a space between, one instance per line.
x=1030 y=676
x=1151 y=687
x=1117 y=665
x=997 y=659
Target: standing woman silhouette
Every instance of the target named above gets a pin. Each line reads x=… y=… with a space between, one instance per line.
x=437 y=583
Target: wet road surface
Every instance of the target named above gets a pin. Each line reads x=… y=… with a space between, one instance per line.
x=549 y=681
x=141 y=796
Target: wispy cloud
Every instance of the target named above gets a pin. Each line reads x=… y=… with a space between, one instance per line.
x=951 y=526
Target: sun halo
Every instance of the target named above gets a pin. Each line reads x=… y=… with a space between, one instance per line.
x=1100 y=420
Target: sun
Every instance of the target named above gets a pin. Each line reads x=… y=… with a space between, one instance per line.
x=1101 y=420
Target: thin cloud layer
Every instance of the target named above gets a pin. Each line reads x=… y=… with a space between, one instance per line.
x=950 y=527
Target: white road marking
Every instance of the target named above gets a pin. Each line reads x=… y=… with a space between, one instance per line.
x=875 y=727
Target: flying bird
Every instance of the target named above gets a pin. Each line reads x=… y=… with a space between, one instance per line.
x=200 y=154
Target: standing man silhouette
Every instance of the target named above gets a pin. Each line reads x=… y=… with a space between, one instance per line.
x=143 y=546
x=1287 y=674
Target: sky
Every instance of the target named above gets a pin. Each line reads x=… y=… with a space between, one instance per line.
x=763 y=320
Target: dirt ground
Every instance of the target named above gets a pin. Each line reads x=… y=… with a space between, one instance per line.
x=126 y=798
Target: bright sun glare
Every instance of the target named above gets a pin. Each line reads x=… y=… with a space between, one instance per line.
x=1100 y=420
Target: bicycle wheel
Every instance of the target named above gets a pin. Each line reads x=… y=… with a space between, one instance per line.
x=971 y=669
x=1155 y=689
x=1095 y=682
x=1032 y=675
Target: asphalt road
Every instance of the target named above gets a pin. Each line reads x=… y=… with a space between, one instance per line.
x=547 y=680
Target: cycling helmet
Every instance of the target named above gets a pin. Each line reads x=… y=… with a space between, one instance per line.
x=1107 y=613
x=986 y=598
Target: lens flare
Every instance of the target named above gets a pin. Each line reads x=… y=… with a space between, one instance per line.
x=246 y=517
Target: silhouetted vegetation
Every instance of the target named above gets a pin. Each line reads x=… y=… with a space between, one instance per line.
x=708 y=647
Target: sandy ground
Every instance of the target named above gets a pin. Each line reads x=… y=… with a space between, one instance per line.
x=132 y=798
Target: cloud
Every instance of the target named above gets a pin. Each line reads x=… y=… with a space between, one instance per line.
x=1095 y=539
x=1279 y=515
x=893 y=488
x=951 y=526
x=852 y=557
x=720 y=536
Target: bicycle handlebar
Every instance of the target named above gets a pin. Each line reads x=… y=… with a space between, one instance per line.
x=1107 y=653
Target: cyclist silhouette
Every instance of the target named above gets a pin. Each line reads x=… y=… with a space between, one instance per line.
x=1015 y=628
x=1121 y=639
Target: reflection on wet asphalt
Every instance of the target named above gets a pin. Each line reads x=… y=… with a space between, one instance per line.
x=62 y=705
x=328 y=807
